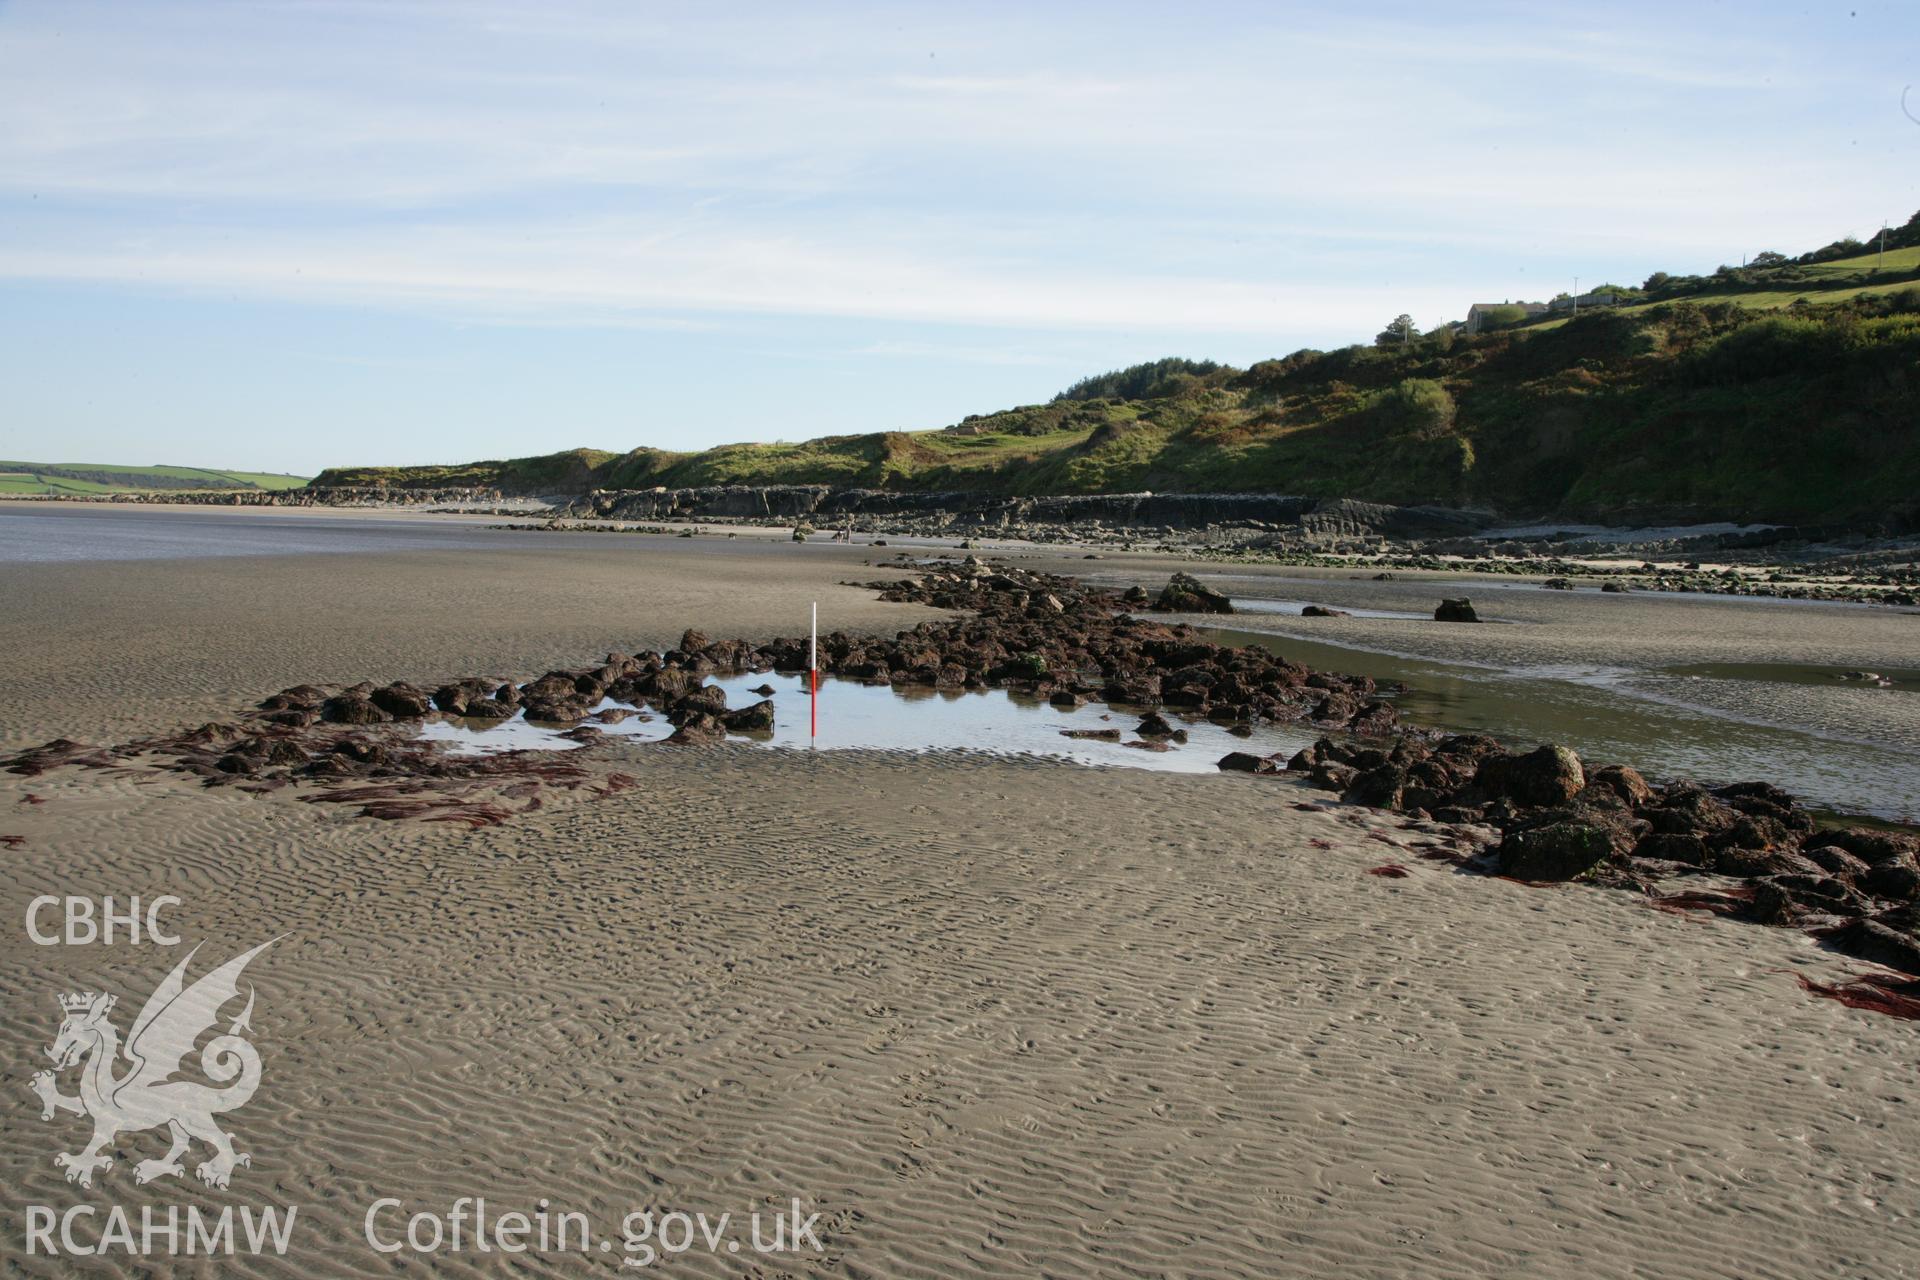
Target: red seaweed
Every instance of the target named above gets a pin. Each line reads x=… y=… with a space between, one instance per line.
x=1894 y=995
x=1440 y=853
x=13 y=842
x=615 y=784
x=1721 y=903
x=35 y=761
x=1390 y=870
x=474 y=816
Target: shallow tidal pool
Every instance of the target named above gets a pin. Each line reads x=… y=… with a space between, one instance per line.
x=880 y=717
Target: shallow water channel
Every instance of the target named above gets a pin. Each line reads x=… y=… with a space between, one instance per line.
x=877 y=717
x=1707 y=722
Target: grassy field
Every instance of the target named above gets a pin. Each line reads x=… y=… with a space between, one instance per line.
x=1818 y=283
x=89 y=477
x=26 y=482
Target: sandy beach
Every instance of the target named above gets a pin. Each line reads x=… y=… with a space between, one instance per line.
x=985 y=1016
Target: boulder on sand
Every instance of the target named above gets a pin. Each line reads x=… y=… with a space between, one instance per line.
x=1154 y=725
x=1623 y=782
x=460 y=697
x=708 y=699
x=1547 y=775
x=1564 y=850
x=699 y=729
x=402 y=701
x=351 y=708
x=1460 y=610
x=1185 y=593
x=754 y=718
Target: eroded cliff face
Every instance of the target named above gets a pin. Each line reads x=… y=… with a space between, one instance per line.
x=827 y=505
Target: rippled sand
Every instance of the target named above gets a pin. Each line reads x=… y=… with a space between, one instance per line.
x=993 y=1018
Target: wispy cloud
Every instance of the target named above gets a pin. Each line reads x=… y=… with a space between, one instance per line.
x=957 y=353
x=606 y=269
x=1241 y=169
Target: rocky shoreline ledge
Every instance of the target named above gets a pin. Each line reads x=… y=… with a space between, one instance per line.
x=1748 y=851
x=1843 y=564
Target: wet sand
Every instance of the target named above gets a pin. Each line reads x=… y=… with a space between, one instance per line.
x=111 y=649
x=988 y=1017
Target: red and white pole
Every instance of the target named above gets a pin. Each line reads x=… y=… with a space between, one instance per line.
x=813 y=675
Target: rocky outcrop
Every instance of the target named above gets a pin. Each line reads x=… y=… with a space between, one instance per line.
x=306 y=496
x=1858 y=889
x=961 y=510
x=1185 y=593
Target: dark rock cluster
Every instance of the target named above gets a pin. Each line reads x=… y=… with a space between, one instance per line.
x=1857 y=888
x=1185 y=593
x=1036 y=634
x=1046 y=635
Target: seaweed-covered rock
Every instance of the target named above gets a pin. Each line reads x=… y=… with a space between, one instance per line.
x=1548 y=775
x=708 y=699
x=459 y=697
x=301 y=697
x=1790 y=899
x=1877 y=941
x=1460 y=610
x=1154 y=725
x=1185 y=593
x=352 y=708
x=402 y=701
x=1331 y=775
x=1894 y=881
x=1382 y=787
x=699 y=729
x=1667 y=846
x=754 y=718
x=1876 y=848
x=1836 y=862
x=1623 y=782
x=1564 y=850
x=1374 y=718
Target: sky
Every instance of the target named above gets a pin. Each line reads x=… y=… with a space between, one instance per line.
x=281 y=236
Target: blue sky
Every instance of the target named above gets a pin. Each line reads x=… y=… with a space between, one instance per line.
x=278 y=236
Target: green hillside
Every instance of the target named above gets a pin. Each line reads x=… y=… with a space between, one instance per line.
x=91 y=477
x=1787 y=390
x=571 y=470
x=1769 y=288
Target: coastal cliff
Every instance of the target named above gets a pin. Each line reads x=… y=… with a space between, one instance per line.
x=1679 y=413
